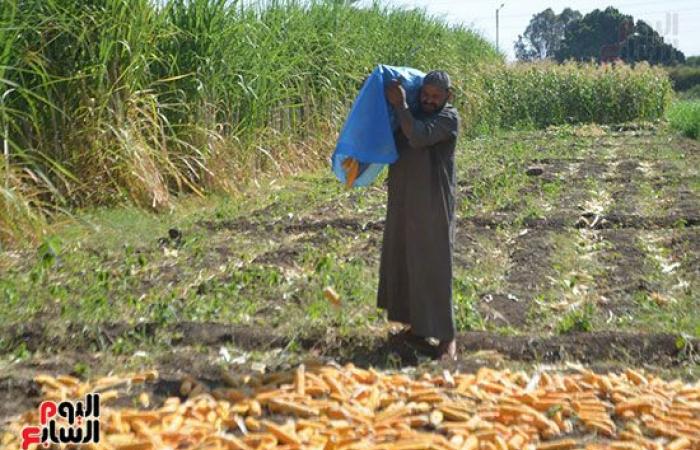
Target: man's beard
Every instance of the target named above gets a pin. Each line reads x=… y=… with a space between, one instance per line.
x=433 y=108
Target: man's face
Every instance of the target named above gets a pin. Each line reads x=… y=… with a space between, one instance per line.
x=432 y=98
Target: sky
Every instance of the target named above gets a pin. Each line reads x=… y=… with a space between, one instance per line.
x=678 y=21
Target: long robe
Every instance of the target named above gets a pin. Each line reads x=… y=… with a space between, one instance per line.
x=415 y=275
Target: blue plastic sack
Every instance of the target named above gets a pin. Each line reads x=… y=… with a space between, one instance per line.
x=368 y=133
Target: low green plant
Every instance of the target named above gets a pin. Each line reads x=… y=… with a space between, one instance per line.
x=684 y=116
x=577 y=320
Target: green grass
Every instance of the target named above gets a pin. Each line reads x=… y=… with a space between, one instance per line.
x=495 y=176
x=567 y=301
x=671 y=295
x=684 y=116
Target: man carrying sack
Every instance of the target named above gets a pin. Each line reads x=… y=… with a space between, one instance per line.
x=415 y=276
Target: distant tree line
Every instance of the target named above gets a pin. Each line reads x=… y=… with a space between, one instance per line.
x=693 y=61
x=602 y=36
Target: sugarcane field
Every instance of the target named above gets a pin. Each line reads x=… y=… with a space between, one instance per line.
x=332 y=224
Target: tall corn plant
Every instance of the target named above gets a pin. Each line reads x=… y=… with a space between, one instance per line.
x=134 y=100
x=22 y=186
x=544 y=93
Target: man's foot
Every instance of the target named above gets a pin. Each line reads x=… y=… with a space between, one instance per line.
x=447 y=350
x=406 y=334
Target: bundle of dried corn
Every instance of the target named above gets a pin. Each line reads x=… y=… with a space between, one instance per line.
x=332 y=407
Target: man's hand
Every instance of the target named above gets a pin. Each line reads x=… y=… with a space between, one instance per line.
x=395 y=94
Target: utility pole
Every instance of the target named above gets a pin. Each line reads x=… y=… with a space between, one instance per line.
x=497 y=10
